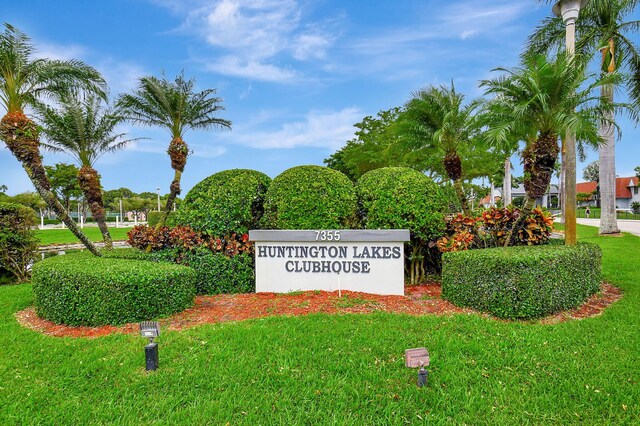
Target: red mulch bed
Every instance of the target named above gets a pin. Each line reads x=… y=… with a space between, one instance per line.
x=418 y=300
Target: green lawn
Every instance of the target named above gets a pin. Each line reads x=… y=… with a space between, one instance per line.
x=343 y=369
x=595 y=214
x=64 y=236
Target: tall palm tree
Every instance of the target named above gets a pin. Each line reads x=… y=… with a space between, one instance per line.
x=24 y=82
x=437 y=122
x=538 y=102
x=84 y=129
x=178 y=108
x=603 y=25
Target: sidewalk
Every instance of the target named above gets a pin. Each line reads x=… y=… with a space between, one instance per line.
x=630 y=226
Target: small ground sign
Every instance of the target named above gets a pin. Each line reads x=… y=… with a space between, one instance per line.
x=369 y=261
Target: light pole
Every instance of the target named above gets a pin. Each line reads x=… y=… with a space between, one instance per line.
x=158 y=190
x=569 y=10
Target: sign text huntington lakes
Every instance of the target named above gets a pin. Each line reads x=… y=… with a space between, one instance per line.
x=357 y=260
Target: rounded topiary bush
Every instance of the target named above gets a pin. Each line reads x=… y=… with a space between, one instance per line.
x=225 y=202
x=522 y=282
x=401 y=198
x=80 y=289
x=310 y=197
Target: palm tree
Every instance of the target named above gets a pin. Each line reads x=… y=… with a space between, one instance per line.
x=435 y=121
x=602 y=25
x=536 y=103
x=24 y=82
x=176 y=107
x=85 y=130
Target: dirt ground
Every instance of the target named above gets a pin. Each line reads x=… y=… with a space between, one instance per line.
x=418 y=300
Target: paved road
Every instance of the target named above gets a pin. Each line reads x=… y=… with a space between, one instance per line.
x=630 y=226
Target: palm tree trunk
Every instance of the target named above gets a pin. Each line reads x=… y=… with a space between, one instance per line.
x=457 y=186
x=607 y=153
x=178 y=152
x=21 y=136
x=174 y=192
x=89 y=181
x=506 y=184
x=539 y=161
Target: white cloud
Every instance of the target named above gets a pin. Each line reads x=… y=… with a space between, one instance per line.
x=256 y=36
x=318 y=129
x=467 y=18
x=309 y=46
x=236 y=66
x=207 y=151
x=120 y=76
x=59 y=52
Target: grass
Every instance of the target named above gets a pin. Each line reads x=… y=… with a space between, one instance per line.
x=338 y=369
x=64 y=236
x=347 y=301
x=595 y=214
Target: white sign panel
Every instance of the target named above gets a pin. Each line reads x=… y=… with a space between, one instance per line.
x=357 y=260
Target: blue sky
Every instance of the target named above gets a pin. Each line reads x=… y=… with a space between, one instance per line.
x=295 y=75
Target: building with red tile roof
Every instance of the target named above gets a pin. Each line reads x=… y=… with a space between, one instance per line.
x=627 y=192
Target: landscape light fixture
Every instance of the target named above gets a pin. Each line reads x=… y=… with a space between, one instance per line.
x=150 y=330
x=418 y=357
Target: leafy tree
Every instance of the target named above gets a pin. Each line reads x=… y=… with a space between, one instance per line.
x=3 y=189
x=538 y=102
x=24 y=81
x=375 y=146
x=64 y=181
x=436 y=124
x=603 y=25
x=637 y=170
x=29 y=199
x=591 y=172
x=138 y=206
x=178 y=108
x=115 y=195
x=86 y=130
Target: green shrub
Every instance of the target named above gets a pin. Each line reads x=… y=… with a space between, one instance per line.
x=154 y=217
x=310 y=197
x=127 y=253
x=226 y=202
x=403 y=198
x=522 y=282
x=18 y=243
x=79 y=289
x=218 y=273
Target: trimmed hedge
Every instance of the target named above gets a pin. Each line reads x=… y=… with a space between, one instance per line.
x=310 y=197
x=80 y=289
x=154 y=217
x=225 y=202
x=522 y=282
x=216 y=273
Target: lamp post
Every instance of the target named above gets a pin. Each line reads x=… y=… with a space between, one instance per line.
x=569 y=10
x=158 y=191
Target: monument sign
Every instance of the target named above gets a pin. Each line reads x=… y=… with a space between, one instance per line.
x=369 y=261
